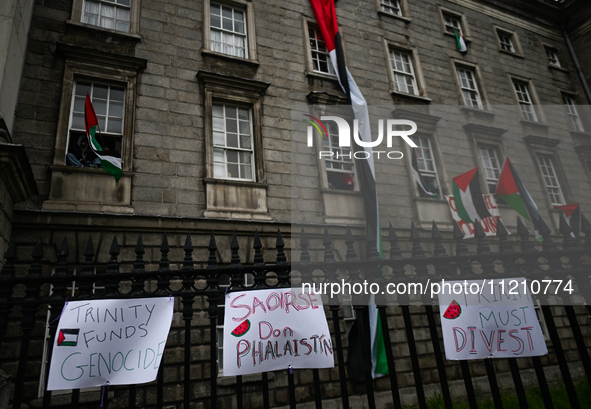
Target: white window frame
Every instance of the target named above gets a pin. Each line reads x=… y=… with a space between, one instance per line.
x=404 y=69
x=100 y=17
x=573 y=115
x=78 y=7
x=247 y=7
x=102 y=130
x=225 y=148
x=425 y=172
x=469 y=85
x=491 y=172
x=552 y=56
x=319 y=52
x=524 y=98
x=393 y=7
x=506 y=41
x=448 y=22
x=550 y=179
x=231 y=33
x=330 y=143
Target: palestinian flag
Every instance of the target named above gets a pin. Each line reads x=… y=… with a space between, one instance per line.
x=460 y=43
x=326 y=18
x=109 y=163
x=416 y=175
x=572 y=215
x=513 y=192
x=68 y=337
x=468 y=197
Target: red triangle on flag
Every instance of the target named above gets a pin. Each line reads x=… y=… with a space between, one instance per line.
x=60 y=338
x=506 y=185
x=568 y=209
x=463 y=181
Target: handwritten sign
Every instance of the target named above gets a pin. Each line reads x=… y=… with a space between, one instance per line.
x=267 y=330
x=489 y=224
x=114 y=342
x=489 y=319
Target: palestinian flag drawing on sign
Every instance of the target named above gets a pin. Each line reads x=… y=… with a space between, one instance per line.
x=468 y=197
x=109 y=163
x=326 y=17
x=572 y=215
x=68 y=337
x=513 y=192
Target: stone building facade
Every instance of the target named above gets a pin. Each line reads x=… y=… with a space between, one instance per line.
x=165 y=74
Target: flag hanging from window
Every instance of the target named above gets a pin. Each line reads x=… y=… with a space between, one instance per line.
x=326 y=17
x=513 y=192
x=460 y=42
x=572 y=216
x=416 y=174
x=109 y=163
x=468 y=197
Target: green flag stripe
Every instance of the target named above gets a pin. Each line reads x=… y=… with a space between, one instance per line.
x=516 y=202
x=381 y=365
x=95 y=144
x=462 y=212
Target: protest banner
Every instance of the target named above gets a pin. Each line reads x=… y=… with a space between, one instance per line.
x=488 y=224
x=267 y=330
x=489 y=319
x=109 y=342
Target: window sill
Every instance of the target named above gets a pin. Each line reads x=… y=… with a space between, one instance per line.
x=120 y=34
x=478 y=113
x=253 y=63
x=321 y=76
x=394 y=16
x=514 y=54
x=234 y=199
x=410 y=96
x=343 y=207
x=554 y=67
x=89 y=190
x=533 y=126
x=580 y=134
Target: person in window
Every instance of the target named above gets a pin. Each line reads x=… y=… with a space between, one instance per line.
x=341 y=181
x=81 y=156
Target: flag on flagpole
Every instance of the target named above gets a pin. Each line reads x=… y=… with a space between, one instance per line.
x=326 y=17
x=513 y=192
x=468 y=197
x=109 y=163
x=416 y=174
x=572 y=215
x=460 y=43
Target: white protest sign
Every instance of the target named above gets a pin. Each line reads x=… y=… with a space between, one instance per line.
x=489 y=319
x=267 y=330
x=115 y=342
x=488 y=224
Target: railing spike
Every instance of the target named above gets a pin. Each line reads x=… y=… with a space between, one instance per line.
x=281 y=258
x=139 y=251
x=327 y=242
x=114 y=250
x=164 y=249
x=547 y=244
x=305 y=255
x=502 y=234
x=234 y=247
x=212 y=261
x=568 y=236
x=438 y=249
x=38 y=250
x=461 y=249
x=188 y=248
x=64 y=248
x=415 y=237
x=586 y=230
x=523 y=233
x=257 y=246
x=350 y=242
x=482 y=246
x=393 y=240
x=10 y=258
x=89 y=250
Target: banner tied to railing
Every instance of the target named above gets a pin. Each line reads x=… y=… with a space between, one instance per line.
x=491 y=318
x=268 y=330
x=109 y=342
